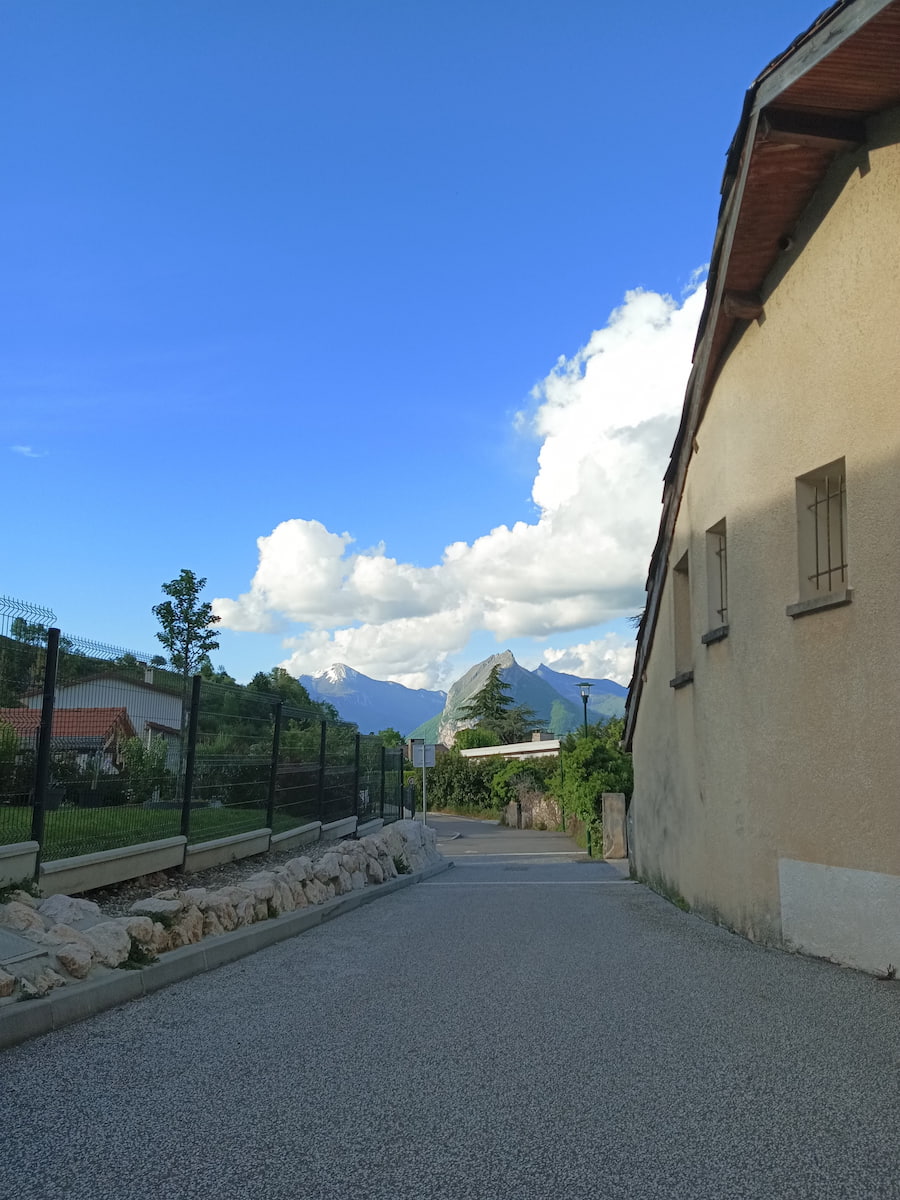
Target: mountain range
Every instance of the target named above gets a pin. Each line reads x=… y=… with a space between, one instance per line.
x=375 y=704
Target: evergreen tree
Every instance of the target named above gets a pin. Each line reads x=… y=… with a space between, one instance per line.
x=494 y=711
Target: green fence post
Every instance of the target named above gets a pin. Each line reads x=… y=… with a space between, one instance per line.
x=45 y=737
x=273 y=773
x=322 y=736
x=381 y=789
x=356 y=776
x=191 y=756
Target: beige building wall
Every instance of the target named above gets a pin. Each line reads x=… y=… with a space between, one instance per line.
x=767 y=791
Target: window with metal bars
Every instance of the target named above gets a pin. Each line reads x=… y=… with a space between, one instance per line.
x=717 y=582
x=822 y=530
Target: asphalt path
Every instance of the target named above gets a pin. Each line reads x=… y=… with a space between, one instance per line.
x=526 y=1025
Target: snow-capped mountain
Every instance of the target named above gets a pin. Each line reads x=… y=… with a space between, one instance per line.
x=373 y=704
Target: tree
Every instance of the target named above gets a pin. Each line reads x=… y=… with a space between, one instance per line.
x=186 y=623
x=593 y=765
x=390 y=737
x=145 y=769
x=494 y=711
x=279 y=682
x=469 y=739
x=490 y=704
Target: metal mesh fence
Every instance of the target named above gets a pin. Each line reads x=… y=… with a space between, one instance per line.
x=126 y=752
x=297 y=780
x=371 y=781
x=392 y=808
x=338 y=798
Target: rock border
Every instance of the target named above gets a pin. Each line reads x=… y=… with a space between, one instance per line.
x=107 y=988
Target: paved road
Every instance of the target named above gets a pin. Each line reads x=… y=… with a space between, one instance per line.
x=517 y=1027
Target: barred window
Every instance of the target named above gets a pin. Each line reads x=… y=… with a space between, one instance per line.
x=717 y=575
x=822 y=530
x=681 y=615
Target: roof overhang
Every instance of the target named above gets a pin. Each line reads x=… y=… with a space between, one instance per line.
x=808 y=105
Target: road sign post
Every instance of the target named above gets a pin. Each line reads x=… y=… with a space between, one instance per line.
x=423 y=756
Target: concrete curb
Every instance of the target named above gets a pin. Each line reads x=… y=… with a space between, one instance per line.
x=78 y=1001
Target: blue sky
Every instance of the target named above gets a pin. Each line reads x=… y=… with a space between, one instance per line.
x=305 y=269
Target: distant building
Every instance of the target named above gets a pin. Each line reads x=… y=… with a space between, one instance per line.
x=89 y=735
x=542 y=745
x=154 y=709
x=763 y=710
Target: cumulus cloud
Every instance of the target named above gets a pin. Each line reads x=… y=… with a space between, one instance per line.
x=28 y=452
x=609 y=657
x=605 y=420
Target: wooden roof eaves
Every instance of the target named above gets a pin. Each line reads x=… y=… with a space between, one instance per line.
x=830 y=29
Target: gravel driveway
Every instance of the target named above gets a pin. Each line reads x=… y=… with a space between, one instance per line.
x=519 y=1027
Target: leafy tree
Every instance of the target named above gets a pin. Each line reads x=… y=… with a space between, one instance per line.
x=279 y=682
x=593 y=765
x=515 y=778
x=495 y=712
x=145 y=769
x=471 y=739
x=459 y=784
x=9 y=743
x=186 y=623
x=390 y=737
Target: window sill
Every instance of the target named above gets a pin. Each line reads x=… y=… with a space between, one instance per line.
x=682 y=680
x=817 y=603
x=715 y=635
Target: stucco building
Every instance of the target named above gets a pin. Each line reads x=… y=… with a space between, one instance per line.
x=763 y=713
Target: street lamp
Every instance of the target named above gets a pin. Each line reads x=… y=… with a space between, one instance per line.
x=585 y=688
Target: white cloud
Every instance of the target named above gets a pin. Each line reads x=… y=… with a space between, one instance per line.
x=28 y=452
x=609 y=657
x=606 y=419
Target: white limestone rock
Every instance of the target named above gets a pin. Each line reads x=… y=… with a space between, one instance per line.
x=293 y=886
x=25 y=898
x=76 y=959
x=261 y=886
x=212 y=926
x=243 y=903
x=374 y=871
x=7 y=984
x=158 y=907
x=358 y=880
x=218 y=905
x=69 y=910
x=110 y=943
x=32 y=987
x=300 y=868
x=188 y=929
x=343 y=883
x=139 y=929
x=161 y=940
x=328 y=867
x=316 y=892
x=283 y=900
x=194 y=896
x=20 y=917
x=66 y=933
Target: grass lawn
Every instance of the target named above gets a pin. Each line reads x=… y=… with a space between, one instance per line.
x=72 y=831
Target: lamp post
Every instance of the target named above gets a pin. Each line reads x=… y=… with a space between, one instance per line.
x=585 y=688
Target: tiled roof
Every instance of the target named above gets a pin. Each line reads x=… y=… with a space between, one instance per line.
x=69 y=722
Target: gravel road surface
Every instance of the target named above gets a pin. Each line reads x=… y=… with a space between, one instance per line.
x=526 y=1025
